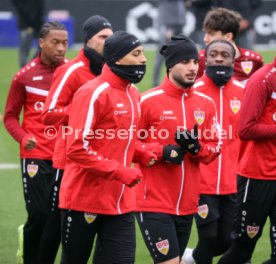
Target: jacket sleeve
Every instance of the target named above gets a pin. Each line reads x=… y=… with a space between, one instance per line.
x=14 y=104
x=80 y=143
x=257 y=93
x=57 y=105
x=209 y=137
x=201 y=65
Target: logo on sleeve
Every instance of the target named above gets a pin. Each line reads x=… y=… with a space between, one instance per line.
x=203 y=211
x=32 y=169
x=163 y=246
x=90 y=218
x=274 y=116
x=199 y=116
x=247 y=66
x=235 y=105
x=252 y=231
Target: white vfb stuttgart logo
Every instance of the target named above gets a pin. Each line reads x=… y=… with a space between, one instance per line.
x=90 y=218
x=32 y=169
x=163 y=246
x=235 y=105
x=199 y=116
x=203 y=210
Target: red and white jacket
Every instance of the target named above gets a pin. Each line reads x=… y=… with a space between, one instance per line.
x=66 y=81
x=103 y=116
x=169 y=188
x=245 y=65
x=220 y=176
x=29 y=89
x=257 y=126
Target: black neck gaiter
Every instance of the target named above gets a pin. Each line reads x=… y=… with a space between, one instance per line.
x=132 y=73
x=220 y=74
x=96 y=60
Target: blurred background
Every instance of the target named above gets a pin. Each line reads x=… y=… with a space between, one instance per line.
x=136 y=16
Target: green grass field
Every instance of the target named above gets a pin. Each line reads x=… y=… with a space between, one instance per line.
x=12 y=208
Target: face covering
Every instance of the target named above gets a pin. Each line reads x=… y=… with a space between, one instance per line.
x=96 y=60
x=220 y=74
x=132 y=73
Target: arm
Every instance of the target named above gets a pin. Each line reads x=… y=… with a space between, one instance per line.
x=257 y=93
x=14 y=104
x=80 y=146
x=57 y=105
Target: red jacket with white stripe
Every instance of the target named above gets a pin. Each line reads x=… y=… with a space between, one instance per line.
x=245 y=65
x=220 y=176
x=169 y=188
x=102 y=114
x=66 y=81
x=257 y=126
x=29 y=90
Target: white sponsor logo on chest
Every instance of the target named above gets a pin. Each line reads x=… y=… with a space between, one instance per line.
x=37 y=78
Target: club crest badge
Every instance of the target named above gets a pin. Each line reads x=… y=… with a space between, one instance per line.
x=163 y=246
x=235 y=105
x=252 y=231
x=203 y=211
x=199 y=116
x=173 y=154
x=32 y=169
x=274 y=116
x=247 y=66
x=90 y=218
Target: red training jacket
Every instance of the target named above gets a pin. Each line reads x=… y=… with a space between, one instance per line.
x=170 y=188
x=257 y=126
x=102 y=115
x=220 y=176
x=67 y=80
x=29 y=90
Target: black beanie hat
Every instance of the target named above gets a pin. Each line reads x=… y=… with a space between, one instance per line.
x=118 y=45
x=179 y=48
x=93 y=25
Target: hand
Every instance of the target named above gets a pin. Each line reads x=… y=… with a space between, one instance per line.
x=148 y=159
x=129 y=176
x=188 y=141
x=173 y=154
x=29 y=142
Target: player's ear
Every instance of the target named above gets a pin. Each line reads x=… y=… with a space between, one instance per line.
x=229 y=36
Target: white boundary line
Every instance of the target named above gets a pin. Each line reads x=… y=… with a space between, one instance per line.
x=9 y=166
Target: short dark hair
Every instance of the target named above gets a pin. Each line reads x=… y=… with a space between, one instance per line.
x=51 y=25
x=222 y=19
x=224 y=42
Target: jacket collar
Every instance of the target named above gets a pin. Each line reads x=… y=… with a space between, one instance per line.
x=208 y=81
x=172 y=90
x=113 y=79
x=83 y=58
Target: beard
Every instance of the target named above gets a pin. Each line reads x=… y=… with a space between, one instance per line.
x=183 y=83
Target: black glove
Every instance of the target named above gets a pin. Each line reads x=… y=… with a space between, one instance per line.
x=173 y=154
x=188 y=141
